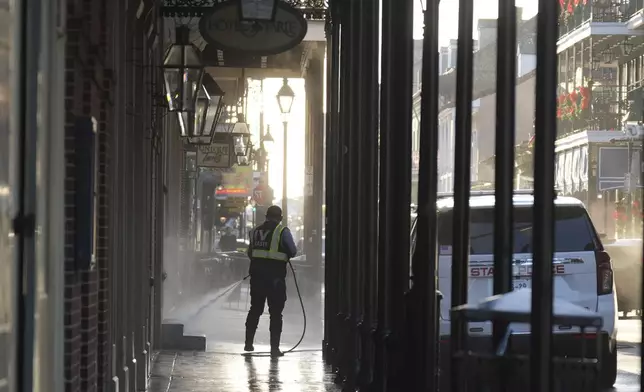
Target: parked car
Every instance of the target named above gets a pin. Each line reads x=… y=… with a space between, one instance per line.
x=626 y=255
x=582 y=271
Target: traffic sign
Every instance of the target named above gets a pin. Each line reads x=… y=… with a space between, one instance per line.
x=258 y=195
x=262 y=195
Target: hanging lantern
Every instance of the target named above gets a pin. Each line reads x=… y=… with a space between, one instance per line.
x=608 y=56
x=243 y=160
x=241 y=137
x=627 y=47
x=208 y=109
x=285 y=98
x=257 y=10
x=182 y=73
x=267 y=141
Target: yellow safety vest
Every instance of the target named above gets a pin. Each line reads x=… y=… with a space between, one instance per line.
x=273 y=253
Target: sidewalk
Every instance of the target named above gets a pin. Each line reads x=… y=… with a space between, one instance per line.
x=222 y=368
x=230 y=372
x=222 y=321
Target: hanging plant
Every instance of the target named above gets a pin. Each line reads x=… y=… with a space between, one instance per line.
x=568 y=6
x=571 y=106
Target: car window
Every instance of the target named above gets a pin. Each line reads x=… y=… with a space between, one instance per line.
x=573 y=230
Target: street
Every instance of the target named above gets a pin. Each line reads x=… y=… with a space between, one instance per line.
x=628 y=355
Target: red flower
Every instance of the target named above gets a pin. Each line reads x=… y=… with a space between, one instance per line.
x=585 y=97
x=620 y=216
x=573 y=97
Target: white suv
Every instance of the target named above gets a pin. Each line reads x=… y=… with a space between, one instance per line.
x=582 y=270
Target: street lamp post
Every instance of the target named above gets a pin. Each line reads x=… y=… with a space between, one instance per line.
x=285 y=98
x=266 y=144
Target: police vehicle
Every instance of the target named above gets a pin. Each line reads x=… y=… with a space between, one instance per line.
x=582 y=270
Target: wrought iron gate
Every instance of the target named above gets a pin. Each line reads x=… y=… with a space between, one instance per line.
x=381 y=328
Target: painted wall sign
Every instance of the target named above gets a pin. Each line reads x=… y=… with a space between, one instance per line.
x=221 y=27
x=214 y=155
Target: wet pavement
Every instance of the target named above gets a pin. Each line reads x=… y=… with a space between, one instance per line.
x=231 y=372
x=628 y=356
x=222 y=368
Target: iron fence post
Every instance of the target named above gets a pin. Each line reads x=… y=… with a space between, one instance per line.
x=424 y=328
x=462 y=168
x=344 y=182
x=332 y=200
x=504 y=158
x=369 y=172
x=355 y=189
x=395 y=187
x=543 y=229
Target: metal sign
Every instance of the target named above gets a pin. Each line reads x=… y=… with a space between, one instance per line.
x=262 y=194
x=214 y=155
x=258 y=195
x=223 y=28
x=634 y=130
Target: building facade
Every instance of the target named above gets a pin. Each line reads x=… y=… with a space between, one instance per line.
x=600 y=57
x=483 y=107
x=90 y=171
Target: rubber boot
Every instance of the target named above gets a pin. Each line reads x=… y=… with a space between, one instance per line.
x=250 y=337
x=275 y=345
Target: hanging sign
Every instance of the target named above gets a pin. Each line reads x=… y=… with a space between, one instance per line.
x=223 y=28
x=214 y=155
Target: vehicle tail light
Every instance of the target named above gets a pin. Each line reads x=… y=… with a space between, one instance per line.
x=604 y=273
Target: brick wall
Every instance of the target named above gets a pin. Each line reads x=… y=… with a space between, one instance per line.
x=103 y=347
x=73 y=108
x=83 y=77
x=112 y=84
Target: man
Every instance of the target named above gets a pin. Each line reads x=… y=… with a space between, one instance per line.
x=271 y=246
x=228 y=241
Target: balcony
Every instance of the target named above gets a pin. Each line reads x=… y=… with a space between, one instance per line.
x=633 y=8
x=573 y=16
x=604 y=112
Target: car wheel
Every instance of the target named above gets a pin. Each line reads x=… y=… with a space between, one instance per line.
x=609 y=368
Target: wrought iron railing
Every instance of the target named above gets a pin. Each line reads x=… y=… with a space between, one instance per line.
x=633 y=7
x=574 y=16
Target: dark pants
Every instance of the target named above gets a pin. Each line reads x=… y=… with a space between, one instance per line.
x=262 y=290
